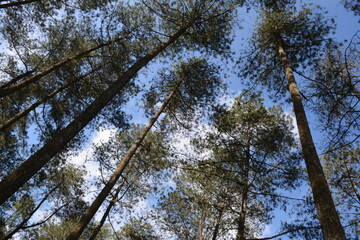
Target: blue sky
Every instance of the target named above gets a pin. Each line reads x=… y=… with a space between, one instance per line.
x=347 y=25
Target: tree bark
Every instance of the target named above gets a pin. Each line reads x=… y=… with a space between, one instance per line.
x=327 y=215
x=108 y=209
x=90 y=212
x=13 y=181
x=244 y=197
x=218 y=221
x=15 y=87
x=13 y=4
x=201 y=228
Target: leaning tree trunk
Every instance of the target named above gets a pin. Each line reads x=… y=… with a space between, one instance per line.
x=13 y=181
x=4 y=91
x=18 y=3
x=90 y=212
x=24 y=112
x=327 y=215
x=218 y=221
x=107 y=212
x=201 y=228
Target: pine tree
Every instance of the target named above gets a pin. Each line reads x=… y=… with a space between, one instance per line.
x=290 y=39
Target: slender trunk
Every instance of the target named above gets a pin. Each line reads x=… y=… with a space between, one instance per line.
x=17 y=78
x=327 y=215
x=15 y=87
x=90 y=212
x=26 y=219
x=24 y=112
x=13 y=181
x=244 y=197
x=218 y=221
x=106 y=213
x=201 y=228
x=353 y=185
x=13 y=4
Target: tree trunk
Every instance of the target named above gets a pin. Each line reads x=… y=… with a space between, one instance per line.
x=244 y=197
x=13 y=181
x=24 y=112
x=90 y=212
x=327 y=215
x=201 y=228
x=26 y=218
x=15 y=87
x=108 y=209
x=13 y=4
x=218 y=221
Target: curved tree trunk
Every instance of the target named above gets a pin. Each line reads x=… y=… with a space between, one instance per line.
x=13 y=181
x=90 y=212
x=327 y=215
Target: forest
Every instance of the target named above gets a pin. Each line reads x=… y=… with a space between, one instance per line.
x=179 y=120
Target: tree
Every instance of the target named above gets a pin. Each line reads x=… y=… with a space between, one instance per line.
x=353 y=6
x=137 y=229
x=342 y=169
x=235 y=185
x=192 y=74
x=195 y=20
x=59 y=195
x=335 y=89
x=289 y=39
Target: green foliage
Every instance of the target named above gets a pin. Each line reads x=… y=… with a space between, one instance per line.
x=242 y=153
x=303 y=32
x=58 y=194
x=200 y=86
x=352 y=5
x=335 y=92
x=342 y=168
x=138 y=229
x=60 y=230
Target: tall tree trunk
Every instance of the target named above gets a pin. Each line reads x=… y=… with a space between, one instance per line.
x=244 y=197
x=13 y=4
x=106 y=213
x=218 y=221
x=13 y=181
x=201 y=228
x=24 y=112
x=327 y=215
x=90 y=212
x=4 y=91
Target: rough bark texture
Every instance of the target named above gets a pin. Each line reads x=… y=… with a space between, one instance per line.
x=90 y=212
x=327 y=215
x=13 y=181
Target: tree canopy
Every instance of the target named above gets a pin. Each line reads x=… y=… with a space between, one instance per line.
x=158 y=119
